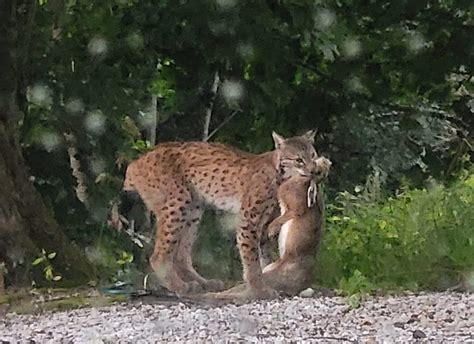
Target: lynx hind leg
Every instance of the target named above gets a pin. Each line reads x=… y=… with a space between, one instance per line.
x=183 y=256
x=170 y=226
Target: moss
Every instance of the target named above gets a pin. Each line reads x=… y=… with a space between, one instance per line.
x=14 y=297
x=66 y=304
x=23 y=307
x=117 y=298
x=24 y=302
x=3 y=299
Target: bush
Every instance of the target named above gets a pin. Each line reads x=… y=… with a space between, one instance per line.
x=417 y=239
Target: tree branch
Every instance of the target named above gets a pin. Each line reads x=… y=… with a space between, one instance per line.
x=154 y=120
x=207 y=118
x=81 y=187
x=219 y=127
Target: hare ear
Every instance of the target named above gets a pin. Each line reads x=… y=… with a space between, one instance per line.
x=310 y=134
x=278 y=139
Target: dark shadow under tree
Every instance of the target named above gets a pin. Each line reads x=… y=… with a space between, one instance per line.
x=26 y=224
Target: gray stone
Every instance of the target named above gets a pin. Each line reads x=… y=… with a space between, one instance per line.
x=309 y=292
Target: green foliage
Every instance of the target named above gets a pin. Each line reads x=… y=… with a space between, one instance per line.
x=45 y=260
x=356 y=287
x=124 y=272
x=116 y=257
x=406 y=145
x=125 y=259
x=141 y=146
x=417 y=239
x=356 y=284
x=388 y=87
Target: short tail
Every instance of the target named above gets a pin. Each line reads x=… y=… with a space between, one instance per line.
x=130 y=173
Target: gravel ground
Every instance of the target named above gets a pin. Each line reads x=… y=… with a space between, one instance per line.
x=423 y=318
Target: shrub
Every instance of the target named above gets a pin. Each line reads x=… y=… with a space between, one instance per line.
x=417 y=239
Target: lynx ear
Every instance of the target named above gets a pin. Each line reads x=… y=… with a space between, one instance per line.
x=278 y=139
x=310 y=134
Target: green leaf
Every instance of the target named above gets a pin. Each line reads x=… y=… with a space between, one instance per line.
x=354 y=301
x=48 y=273
x=470 y=181
x=382 y=224
x=37 y=261
x=52 y=255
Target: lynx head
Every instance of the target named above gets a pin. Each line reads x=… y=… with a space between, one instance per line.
x=297 y=155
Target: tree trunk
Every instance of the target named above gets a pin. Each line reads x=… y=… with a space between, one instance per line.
x=154 y=116
x=26 y=225
x=2 y=280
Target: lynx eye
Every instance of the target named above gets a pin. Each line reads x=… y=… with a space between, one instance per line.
x=299 y=161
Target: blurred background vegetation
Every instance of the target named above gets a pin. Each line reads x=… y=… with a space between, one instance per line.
x=388 y=85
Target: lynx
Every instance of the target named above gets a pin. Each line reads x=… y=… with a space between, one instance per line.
x=177 y=180
x=299 y=228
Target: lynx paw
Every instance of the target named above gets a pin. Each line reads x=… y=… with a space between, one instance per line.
x=214 y=285
x=265 y=293
x=189 y=288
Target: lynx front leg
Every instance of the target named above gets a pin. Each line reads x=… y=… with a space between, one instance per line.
x=267 y=246
x=248 y=240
